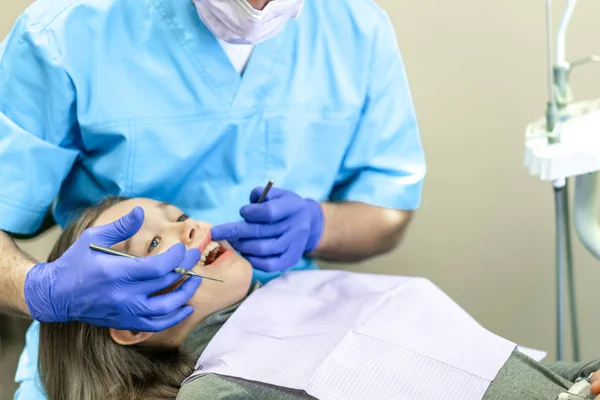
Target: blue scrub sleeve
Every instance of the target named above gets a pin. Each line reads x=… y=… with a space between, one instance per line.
x=37 y=120
x=30 y=386
x=385 y=163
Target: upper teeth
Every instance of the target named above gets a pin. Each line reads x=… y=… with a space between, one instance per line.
x=209 y=248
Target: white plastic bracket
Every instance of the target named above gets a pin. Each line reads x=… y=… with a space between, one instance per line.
x=578 y=150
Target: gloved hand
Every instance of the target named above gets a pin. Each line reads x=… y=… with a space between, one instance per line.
x=275 y=234
x=112 y=291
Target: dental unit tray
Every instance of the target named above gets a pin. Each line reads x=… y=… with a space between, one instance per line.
x=577 y=152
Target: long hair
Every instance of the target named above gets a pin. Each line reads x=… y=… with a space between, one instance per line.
x=78 y=361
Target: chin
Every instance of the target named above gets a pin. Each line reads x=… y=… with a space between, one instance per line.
x=235 y=271
x=211 y=297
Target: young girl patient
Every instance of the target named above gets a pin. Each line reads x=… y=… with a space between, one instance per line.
x=82 y=362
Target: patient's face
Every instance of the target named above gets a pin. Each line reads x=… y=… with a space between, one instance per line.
x=164 y=226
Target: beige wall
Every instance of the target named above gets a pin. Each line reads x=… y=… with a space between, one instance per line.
x=485 y=232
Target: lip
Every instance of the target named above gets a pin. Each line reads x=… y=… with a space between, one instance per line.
x=225 y=244
x=204 y=241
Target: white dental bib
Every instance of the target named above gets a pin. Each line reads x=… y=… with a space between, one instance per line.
x=347 y=336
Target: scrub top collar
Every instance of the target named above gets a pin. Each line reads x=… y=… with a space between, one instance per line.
x=231 y=89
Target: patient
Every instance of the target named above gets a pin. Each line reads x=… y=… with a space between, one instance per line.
x=84 y=362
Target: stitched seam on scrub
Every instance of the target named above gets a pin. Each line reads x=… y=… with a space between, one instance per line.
x=130 y=159
x=69 y=4
x=200 y=68
x=21 y=206
x=316 y=113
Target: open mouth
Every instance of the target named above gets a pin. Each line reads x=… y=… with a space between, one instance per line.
x=211 y=253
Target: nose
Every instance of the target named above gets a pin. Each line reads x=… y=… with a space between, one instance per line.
x=192 y=232
x=189 y=230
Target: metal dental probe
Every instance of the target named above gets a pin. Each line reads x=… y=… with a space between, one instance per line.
x=263 y=195
x=181 y=271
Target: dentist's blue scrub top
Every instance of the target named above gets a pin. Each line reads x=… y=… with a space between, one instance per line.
x=137 y=98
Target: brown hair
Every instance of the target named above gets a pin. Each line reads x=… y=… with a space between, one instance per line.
x=78 y=361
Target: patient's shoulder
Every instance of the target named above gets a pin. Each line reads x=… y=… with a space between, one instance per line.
x=218 y=387
x=213 y=387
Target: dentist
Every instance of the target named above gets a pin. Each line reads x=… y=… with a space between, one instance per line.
x=196 y=103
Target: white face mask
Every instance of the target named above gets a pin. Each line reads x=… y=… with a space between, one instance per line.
x=236 y=21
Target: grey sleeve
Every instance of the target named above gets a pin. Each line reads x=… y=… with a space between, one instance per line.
x=523 y=378
x=217 y=387
x=213 y=387
x=573 y=370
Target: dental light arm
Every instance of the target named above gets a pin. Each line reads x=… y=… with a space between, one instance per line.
x=586 y=224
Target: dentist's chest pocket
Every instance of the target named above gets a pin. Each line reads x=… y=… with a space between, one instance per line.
x=309 y=148
x=303 y=152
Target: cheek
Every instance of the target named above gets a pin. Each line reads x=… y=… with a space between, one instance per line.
x=245 y=271
x=240 y=277
x=166 y=242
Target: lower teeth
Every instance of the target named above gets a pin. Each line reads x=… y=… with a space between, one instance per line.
x=212 y=256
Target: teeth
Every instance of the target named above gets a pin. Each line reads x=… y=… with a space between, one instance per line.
x=209 y=248
x=210 y=253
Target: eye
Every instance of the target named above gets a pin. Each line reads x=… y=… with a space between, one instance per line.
x=182 y=218
x=154 y=244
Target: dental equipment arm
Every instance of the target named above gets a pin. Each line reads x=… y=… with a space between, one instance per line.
x=551 y=109
x=586 y=224
x=357 y=231
x=565 y=145
x=14 y=266
x=559 y=74
x=561 y=42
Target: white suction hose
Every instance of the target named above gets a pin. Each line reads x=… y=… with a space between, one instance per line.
x=586 y=225
x=561 y=38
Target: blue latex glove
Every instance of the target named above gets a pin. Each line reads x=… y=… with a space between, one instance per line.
x=112 y=291
x=275 y=234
